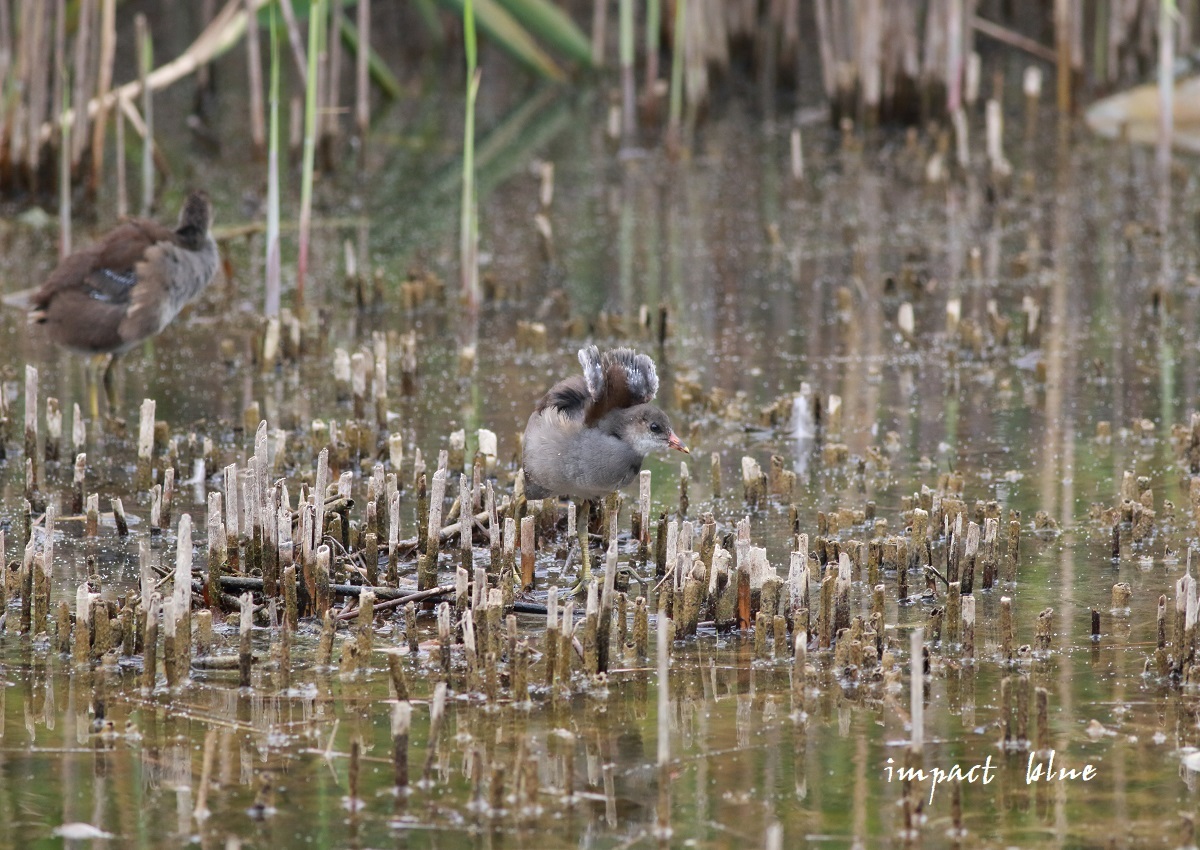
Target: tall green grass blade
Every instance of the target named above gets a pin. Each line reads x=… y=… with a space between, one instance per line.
x=469 y=36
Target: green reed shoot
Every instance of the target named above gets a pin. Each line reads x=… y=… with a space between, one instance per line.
x=273 y=259
x=316 y=19
x=469 y=234
x=678 y=45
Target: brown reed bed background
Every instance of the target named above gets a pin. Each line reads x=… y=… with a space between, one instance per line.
x=67 y=89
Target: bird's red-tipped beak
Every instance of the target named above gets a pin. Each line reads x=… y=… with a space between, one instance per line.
x=674 y=442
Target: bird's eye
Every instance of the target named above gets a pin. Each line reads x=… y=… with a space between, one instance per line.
x=655 y=427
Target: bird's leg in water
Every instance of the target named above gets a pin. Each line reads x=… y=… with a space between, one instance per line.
x=92 y=373
x=110 y=391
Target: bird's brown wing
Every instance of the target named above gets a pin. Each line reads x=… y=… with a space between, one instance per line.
x=626 y=379
x=569 y=397
x=106 y=270
x=123 y=246
x=71 y=273
x=149 y=298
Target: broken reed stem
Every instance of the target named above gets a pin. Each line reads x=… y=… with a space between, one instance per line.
x=953 y=613
x=365 y=633
x=204 y=632
x=182 y=593
x=590 y=627
x=968 y=627
x=564 y=657
x=444 y=637
x=427 y=565
x=169 y=654
x=81 y=646
x=145 y=444
x=31 y=428
x=1012 y=551
x=323 y=597
x=62 y=643
x=1044 y=626
x=91 y=525
x=78 y=480
x=604 y=632
x=527 y=552
x=325 y=642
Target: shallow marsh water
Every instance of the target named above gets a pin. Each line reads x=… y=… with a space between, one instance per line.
x=769 y=285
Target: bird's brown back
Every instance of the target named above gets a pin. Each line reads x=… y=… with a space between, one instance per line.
x=118 y=253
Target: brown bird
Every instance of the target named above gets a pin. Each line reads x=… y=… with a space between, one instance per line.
x=128 y=286
x=590 y=433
